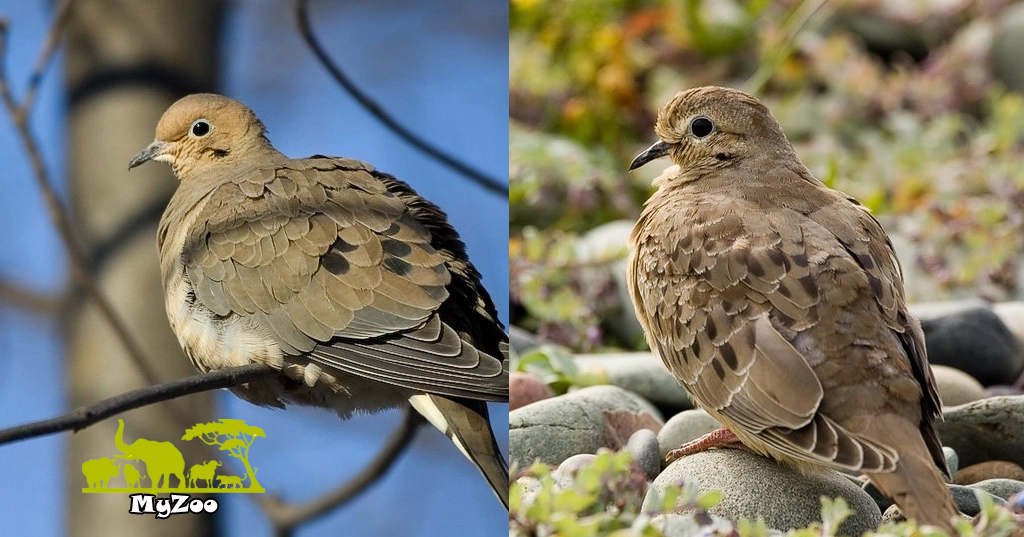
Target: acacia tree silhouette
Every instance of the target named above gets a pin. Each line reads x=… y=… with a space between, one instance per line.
x=240 y=437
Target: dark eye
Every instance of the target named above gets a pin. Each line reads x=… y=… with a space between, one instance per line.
x=701 y=126
x=200 y=128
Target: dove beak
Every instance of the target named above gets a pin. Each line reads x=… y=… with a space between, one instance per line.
x=151 y=152
x=659 y=149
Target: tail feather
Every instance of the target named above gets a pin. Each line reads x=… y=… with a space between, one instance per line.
x=916 y=485
x=465 y=423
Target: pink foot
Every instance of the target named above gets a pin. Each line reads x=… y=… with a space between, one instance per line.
x=718 y=438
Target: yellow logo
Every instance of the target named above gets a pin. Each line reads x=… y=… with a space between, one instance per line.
x=162 y=461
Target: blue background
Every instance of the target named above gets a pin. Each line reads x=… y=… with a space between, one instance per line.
x=442 y=67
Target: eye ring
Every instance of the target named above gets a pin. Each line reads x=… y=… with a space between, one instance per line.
x=702 y=126
x=200 y=128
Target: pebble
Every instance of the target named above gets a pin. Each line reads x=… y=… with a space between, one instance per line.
x=581 y=421
x=985 y=430
x=525 y=388
x=975 y=341
x=683 y=427
x=751 y=487
x=643 y=446
x=989 y=470
x=956 y=387
x=641 y=373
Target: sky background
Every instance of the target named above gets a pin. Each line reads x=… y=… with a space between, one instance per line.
x=442 y=67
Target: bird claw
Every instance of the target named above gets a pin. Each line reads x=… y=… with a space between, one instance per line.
x=721 y=437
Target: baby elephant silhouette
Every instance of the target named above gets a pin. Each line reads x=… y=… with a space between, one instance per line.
x=131 y=476
x=230 y=481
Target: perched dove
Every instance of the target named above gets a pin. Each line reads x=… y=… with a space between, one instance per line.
x=340 y=276
x=778 y=303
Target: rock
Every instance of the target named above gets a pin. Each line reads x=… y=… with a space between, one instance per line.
x=1012 y=315
x=966 y=499
x=643 y=446
x=524 y=388
x=985 y=430
x=1000 y=488
x=683 y=427
x=752 y=486
x=582 y=421
x=952 y=460
x=956 y=387
x=989 y=470
x=641 y=373
x=881 y=500
x=521 y=340
x=1003 y=390
x=573 y=464
x=975 y=341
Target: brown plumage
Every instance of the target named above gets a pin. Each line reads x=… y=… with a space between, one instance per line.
x=778 y=304
x=340 y=276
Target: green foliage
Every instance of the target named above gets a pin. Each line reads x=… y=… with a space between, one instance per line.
x=604 y=499
x=555 y=367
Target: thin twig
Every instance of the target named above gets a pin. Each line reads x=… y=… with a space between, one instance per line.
x=58 y=214
x=286 y=517
x=26 y=299
x=85 y=416
x=478 y=177
x=790 y=29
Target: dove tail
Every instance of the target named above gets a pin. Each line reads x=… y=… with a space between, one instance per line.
x=917 y=487
x=465 y=423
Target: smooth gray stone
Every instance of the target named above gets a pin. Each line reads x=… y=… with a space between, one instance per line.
x=641 y=373
x=643 y=446
x=753 y=486
x=966 y=500
x=684 y=427
x=999 y=487
x=975 y=341
x=555 y=429
x=991 y=429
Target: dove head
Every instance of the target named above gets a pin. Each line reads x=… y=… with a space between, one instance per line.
x=713 y=128
x=203 y=131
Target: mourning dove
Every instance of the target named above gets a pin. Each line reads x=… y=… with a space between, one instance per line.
x=338 y=275
x=778 y=303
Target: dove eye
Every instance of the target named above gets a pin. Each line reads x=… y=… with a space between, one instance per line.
x=701 y=126
x=200 y=128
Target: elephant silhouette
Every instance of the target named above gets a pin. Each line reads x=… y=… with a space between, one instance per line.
x=202 y=472
x=230 y=481
x=131 y=476
x=99 y=471
x=162 y=459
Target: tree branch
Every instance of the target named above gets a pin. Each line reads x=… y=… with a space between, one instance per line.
x=474 y=175
x=83 y=417
x=286 y=517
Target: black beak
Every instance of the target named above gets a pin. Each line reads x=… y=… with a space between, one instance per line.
x=658 y=150
x=151 y=151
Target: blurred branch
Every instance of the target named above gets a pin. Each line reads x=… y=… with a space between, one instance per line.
x=792 y=27
x=286 y=517
x=474 y=175
x=28 y=300
x=19 y=113
x=83 y=417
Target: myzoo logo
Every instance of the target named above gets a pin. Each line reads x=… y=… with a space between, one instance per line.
x=162 y=460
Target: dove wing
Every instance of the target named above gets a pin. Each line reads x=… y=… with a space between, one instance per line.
x=323 y=257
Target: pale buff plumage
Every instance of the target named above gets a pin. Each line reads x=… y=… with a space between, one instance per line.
x=339 y=275
x=778 y=303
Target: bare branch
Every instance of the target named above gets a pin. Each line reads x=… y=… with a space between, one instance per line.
x=474 y=175
x=26 y=299
x=58 y=214
x=85 y=416
x=286 y=517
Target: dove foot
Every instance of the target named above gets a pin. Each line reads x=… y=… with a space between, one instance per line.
x=720 y=437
